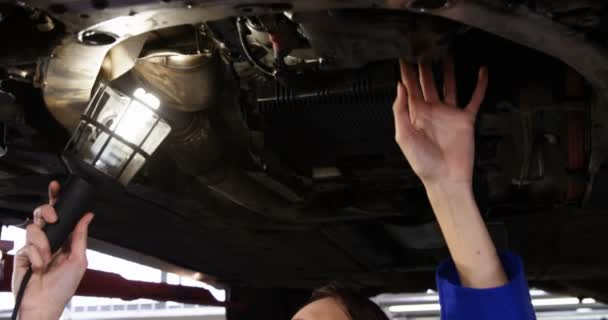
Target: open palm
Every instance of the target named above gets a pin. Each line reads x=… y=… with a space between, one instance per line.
x=436 y=137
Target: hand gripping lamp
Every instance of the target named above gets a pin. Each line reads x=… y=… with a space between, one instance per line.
x=116 y=135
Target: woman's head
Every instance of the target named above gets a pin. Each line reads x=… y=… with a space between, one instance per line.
x=333 y=302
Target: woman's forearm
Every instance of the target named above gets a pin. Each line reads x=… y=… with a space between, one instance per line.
x=438 y=139
x=467 y=237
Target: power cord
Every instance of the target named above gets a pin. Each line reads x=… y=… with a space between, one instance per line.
x=21 y=292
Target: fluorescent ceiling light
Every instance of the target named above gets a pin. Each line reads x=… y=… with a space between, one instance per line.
x=414 y=308
x=537 y=292
x=554 y=302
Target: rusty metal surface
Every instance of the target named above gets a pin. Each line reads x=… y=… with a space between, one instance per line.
x=73 y=70
x=521 y=25
x=73 y=60
x=74 y=67
x=82 y=14
x=184 y=82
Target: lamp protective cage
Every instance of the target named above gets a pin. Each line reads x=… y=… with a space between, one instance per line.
x=118 y=133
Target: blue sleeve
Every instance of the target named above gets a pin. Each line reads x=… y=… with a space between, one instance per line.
x=509 y=302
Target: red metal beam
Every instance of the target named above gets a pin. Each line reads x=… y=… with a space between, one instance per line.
x=6 y=246
x=111 y=285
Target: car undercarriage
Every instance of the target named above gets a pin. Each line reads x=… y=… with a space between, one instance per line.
x=281 y=171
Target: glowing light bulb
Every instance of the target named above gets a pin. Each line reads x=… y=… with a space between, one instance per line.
x=132 y=131
x=148 y=98
x=137 y=120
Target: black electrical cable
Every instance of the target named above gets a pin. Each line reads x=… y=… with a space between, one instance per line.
x=21 y=292
x=240 y=25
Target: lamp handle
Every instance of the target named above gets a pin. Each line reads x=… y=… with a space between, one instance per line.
x=74 y=201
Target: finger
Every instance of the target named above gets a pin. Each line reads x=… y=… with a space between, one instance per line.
x=44 y=214
x=37 y=238
x=38 y=220
x=21 y=258
x=410 y=80
x=427 y=80
x=58 y=260
x=414 y=92
x=33 y=257
x=78 y=245
x=449 y=82
x=403 y=124
x=54 y=189
x=400 y=104
x=480 y=91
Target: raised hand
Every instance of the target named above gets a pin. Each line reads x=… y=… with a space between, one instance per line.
x=436 y=137
x=55 y=278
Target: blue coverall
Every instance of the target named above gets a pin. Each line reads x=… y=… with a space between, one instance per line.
x=509 y=302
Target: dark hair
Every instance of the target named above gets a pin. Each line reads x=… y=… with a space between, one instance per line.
x=357 y=305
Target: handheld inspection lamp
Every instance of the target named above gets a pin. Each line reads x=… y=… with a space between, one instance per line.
x=117 y=134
